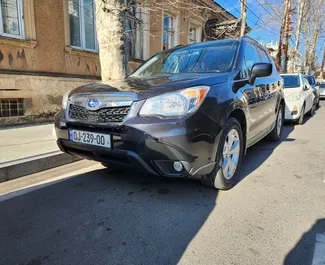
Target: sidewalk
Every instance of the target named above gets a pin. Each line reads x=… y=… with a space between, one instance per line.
x=26 y=141
x=29 y=149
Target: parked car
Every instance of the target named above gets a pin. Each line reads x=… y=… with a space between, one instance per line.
x=312 y=82
x=191 y=111
x=322 y=90
x=299 y=97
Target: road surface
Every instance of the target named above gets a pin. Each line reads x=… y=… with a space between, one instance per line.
x=80 y=214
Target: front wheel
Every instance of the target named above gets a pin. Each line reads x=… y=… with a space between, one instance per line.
x=275 y=134
x=229 y=157
x=302 y=114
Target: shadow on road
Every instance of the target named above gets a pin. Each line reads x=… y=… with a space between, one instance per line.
x=258 y=153
x=97 y=218
x=303 y=252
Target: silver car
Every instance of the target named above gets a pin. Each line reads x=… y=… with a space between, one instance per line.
x=322 y=90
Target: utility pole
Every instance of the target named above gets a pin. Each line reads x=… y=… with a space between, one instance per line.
x=283 y=24
x=286 y=45
x=243 y=17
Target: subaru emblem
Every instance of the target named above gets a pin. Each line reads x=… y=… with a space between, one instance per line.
x=93 y=103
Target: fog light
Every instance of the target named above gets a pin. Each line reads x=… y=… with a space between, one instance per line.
x=294 y=110
x=178 y=166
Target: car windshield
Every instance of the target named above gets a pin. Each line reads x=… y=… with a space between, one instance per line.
x=311 y=80
x=214 y=57
x=291 y=81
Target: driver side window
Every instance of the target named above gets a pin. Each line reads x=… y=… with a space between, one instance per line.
x=250 y=58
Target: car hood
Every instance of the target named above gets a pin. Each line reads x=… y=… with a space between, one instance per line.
x=291 y=90
x=143 y=88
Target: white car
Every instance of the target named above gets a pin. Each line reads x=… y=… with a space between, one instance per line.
x=298 y=96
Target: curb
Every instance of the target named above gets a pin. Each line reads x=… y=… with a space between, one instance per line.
x=26 y=166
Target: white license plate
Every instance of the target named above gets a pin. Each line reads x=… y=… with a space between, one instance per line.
x=98 y=139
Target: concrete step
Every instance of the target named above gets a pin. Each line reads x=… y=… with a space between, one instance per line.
x=33 y=164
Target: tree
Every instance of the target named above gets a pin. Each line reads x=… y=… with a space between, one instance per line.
x=113 y=27
x=282 y=31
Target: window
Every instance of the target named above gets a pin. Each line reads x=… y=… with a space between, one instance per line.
x=291 y=81
x=264 y=56
x=135 y=28
x=11 y=19
x=11 y=107
x=82 y=25
x=168 y=32
x=194 y=34
x=209 y=58
x=250 y=58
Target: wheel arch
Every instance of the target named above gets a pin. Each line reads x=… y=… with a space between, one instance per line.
x=240 y=116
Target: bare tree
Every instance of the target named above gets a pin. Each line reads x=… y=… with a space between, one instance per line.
x=113 y=27
x=301 y=12
x=282 y=31
x=287 y=33
x=243 y=17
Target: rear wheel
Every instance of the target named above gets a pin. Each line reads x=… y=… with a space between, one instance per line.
x=111 y=168
x=302 y=114
x=275 y=134
x=228 y=159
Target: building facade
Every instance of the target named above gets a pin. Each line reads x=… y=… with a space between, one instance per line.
x=48 y=47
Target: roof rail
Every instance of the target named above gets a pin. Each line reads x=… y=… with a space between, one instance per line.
x=250 y=38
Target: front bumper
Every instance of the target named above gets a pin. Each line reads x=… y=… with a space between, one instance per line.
x=150 y=145
x=293 y=110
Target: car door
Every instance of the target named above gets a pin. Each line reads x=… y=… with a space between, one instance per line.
x=308 y=94
x=256 y=94
x=273 y=86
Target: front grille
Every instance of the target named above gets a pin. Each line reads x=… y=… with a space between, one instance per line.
x=104 y=115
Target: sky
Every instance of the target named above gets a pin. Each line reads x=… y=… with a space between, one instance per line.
x=264 y=18
x=262 y=30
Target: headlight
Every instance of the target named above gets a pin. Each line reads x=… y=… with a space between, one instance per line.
x=177 y=103
x=293 y=97
x=65 y=99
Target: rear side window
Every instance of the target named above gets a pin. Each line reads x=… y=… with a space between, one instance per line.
x=291 y=81
x=311 y=80
x=251 y=57
x=263 y=55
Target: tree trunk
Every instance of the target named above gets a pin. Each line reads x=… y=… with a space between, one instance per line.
x=243 y=17
x=286 y=45
x=312 y=59
x=279 y=53
x=110 y=30
x=301 y=9
x=322 y=67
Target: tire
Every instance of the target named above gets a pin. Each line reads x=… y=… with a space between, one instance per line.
x=111 y=168
x=300 y=121
x=276 y=133
x=216 y=179
x=317 y=104
x=311 y=111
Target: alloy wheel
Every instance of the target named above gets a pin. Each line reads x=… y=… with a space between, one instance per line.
x=231 y=152
x=279 y=122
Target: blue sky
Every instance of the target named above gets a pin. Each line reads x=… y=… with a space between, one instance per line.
x=262 y=30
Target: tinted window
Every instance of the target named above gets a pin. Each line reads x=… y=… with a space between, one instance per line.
x=322 y=85
x=291 y=81
x=311 y=80
x=250 y=58
x=264 y=57
x=212 y=58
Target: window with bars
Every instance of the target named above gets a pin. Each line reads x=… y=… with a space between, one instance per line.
x=11 y=107
x=11 y=19
x=82 y=25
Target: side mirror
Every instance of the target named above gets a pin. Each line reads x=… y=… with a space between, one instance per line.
x=305 y=88
x=317 y=83
x=260 y=70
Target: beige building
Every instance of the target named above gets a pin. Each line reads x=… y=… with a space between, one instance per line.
x=49 y=46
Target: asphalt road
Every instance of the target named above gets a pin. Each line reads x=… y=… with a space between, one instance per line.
x=84 y=215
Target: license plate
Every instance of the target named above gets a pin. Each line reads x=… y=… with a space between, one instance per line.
x=98 y=139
